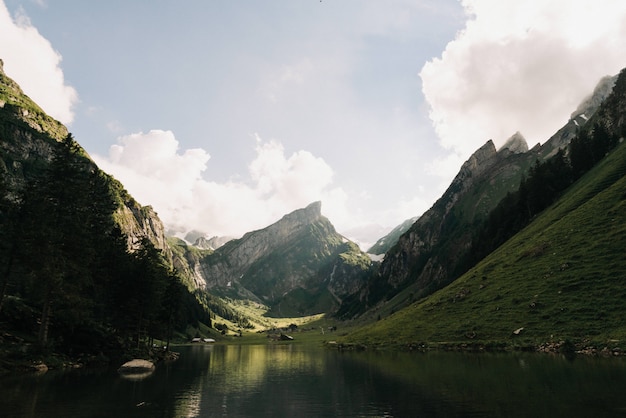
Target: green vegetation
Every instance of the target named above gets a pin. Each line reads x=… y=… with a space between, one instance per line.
x=69 y=284
x=562 y=278
x=19 y=109
x=543 y=266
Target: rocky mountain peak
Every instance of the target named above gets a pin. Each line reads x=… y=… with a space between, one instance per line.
x=516 y=144
x=255 y=245
x=295 y=263
x=212 y=243
x=481 y=156
x=306 y=215
x=591 y=103
x=477 y=163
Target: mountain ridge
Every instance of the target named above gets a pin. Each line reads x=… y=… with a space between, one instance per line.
x=558 y=283
x=432 y=252
x=299 y=264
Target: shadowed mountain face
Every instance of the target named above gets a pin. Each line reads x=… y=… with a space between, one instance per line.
x=28 y=141
x=298 y=265
x=555 y=281
x=84 y=267
x=433 y=251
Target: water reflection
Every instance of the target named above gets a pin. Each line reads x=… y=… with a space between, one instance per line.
x=290 y=380
x=246 y=380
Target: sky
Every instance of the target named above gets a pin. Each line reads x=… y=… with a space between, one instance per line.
x=226 y=115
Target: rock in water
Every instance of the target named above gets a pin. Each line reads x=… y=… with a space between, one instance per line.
x=136 y=366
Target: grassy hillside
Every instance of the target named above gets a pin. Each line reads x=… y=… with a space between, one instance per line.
x=561 y=278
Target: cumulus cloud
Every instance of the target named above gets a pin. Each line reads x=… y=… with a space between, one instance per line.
x=521 y=66
x=298 y=178
x=32 y=62
x=156 y=172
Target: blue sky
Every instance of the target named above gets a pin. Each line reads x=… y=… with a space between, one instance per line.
x=225 y=115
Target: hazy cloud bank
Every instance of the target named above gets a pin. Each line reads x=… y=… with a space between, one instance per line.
x=154 y=170
x=521 y=66
x=31 y=61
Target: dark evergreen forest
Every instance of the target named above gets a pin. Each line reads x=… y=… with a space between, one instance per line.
x=545 y=183
x=69 y=283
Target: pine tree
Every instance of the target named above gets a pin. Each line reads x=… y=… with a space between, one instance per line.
x=57 y=242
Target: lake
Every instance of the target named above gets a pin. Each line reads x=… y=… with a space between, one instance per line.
x=299 y=381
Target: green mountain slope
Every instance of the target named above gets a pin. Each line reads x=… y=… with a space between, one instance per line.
x=83 y=267
x=561 y=278
x=439 y=246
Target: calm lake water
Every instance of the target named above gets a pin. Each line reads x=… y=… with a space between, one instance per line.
x=297 y=381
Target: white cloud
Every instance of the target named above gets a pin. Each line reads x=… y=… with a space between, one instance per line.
x=300 y=178
x=31 y=61
x=521 y=66
x=155 y=172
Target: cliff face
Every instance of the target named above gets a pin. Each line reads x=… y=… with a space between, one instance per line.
x=28 y=138
x=481 y=182
x=298 y=265
x=430 y=253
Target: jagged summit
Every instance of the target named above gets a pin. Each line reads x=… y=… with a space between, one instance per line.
x=299 y=262
x=212 y=243
x=478 y=162
x=516 y=144
x=591 y=103
x=579 y=117
x=309 y=214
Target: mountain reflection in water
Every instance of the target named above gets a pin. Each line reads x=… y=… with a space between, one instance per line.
x=296 y=381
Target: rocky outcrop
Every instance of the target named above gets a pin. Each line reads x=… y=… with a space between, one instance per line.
x=232 y=260
x=28 y=138
x=414 y=256
x=22 y=111
x=586 y=110
x=591 y=103
x=212 y=243
x=484 y=159
x=430 y=254
x=139 y=222
x=291 y=266
x=516 y=144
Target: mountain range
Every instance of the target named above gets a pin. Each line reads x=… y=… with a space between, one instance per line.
x=96 y=248
x=433 y=251
x=297 y=266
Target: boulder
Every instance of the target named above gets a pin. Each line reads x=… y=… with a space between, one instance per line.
x=136 y=366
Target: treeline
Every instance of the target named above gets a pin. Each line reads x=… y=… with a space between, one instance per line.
x=220 y=307
x=68 y=280
x=544 y=184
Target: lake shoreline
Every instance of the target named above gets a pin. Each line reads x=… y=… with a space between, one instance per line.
x=565 y=348
x=20 y=360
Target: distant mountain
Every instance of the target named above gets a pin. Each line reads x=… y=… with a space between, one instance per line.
x=299 y=265
x=385 y=243
x=365 y=235
x=212 y=243
x=434 y=250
